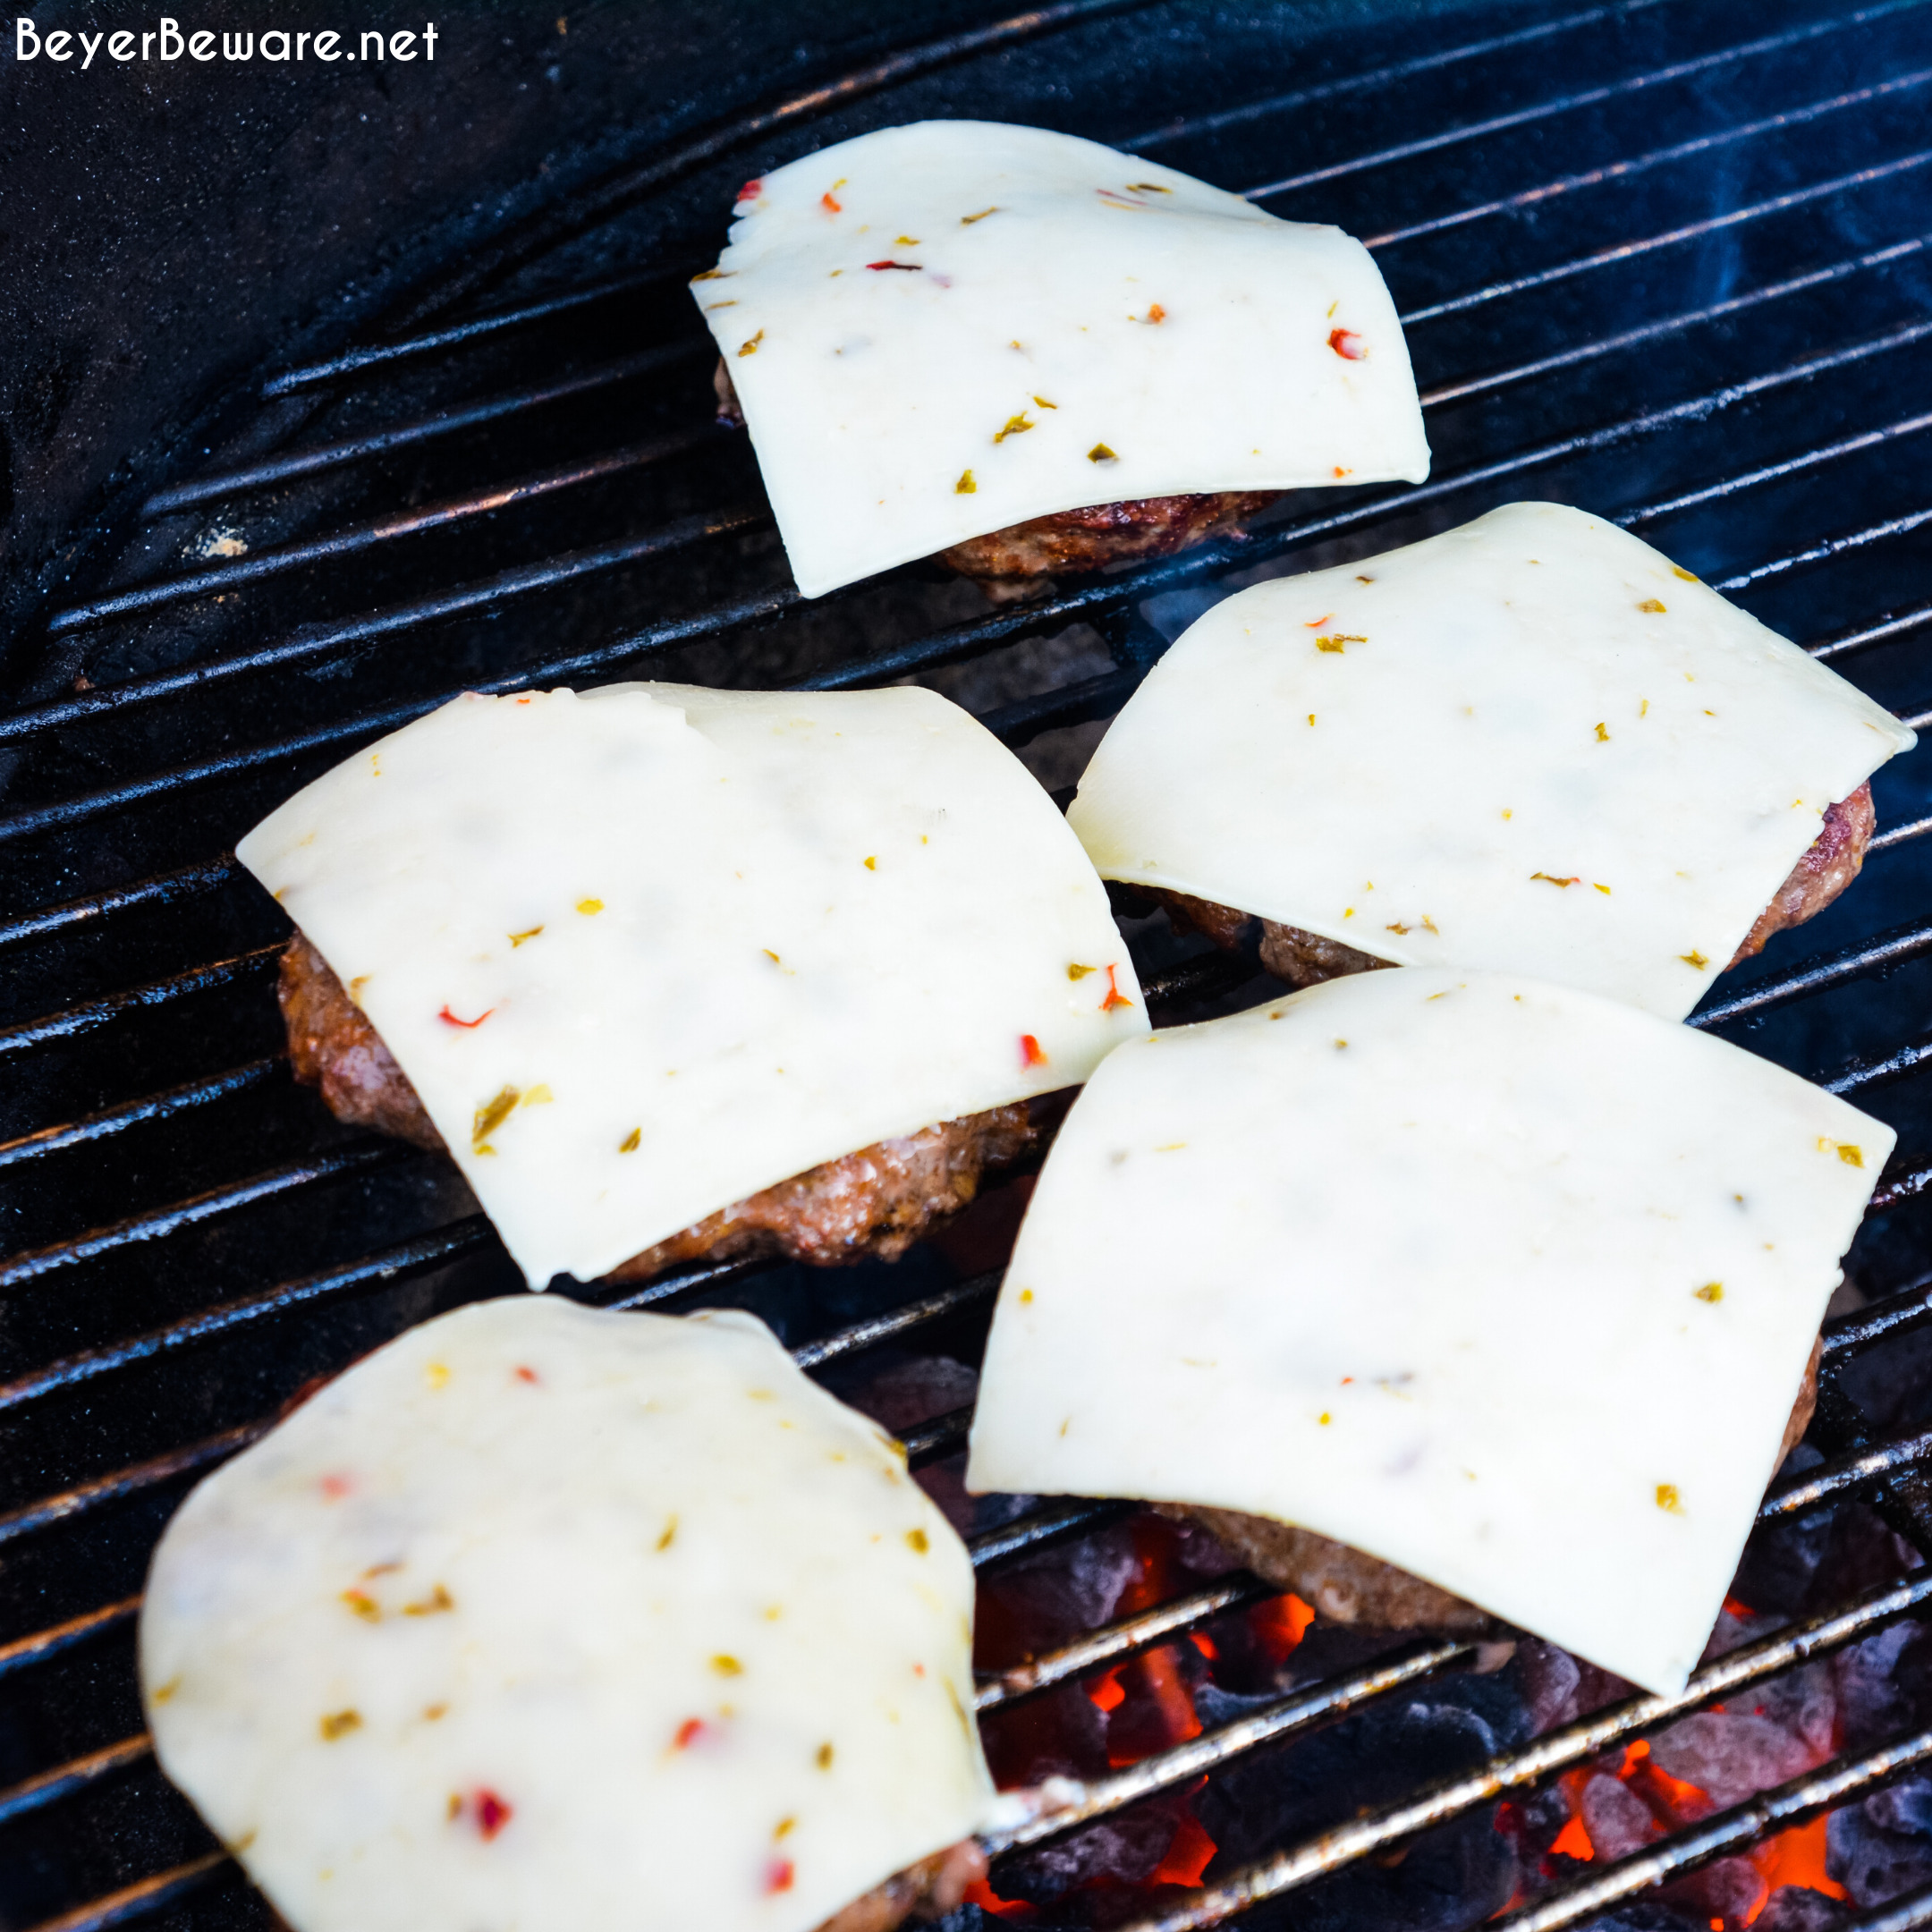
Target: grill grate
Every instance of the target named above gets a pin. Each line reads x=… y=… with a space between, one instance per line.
x=1645 y=263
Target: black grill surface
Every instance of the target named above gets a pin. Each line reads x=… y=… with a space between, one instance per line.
x=1666 y=259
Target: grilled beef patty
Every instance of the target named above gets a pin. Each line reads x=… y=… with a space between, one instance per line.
x=1007 y=561
x=1104 y=533
x=1829 y=864
x=1346 y=1586
x=870 y=1205
x=930 y=1889
x=1304 y=959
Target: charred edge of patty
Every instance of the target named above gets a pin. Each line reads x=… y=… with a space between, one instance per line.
x=730 y=411
x=870 y=1205
x=333 y=1048
x=1829 y=864
x=1105 y=533
x=930 y=1889
x=1008 y=562
x=1305 y=958
x=1347 y=1587
x=1340 y=1583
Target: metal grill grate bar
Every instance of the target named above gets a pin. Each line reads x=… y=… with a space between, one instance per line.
x=1899 y=835
x=158 y=1107
x=1904 y=1914
x=356 y=538
x=1826 y=552
x=1788 y=467
x=1790 y=1804
x=1701 y=63
x=1287 y=103
x=1700 y=144
x=37 y=1648
x=314 y=642
x=1897 y=1313
x=1675 y=324
x=1845 y=1475
x=1299 y=1711
x=138 y=1477
x=144 y=1896
x=314 y=457
x=70 y=1779
x=164 y=888
x=1851 y=962
x=1624 y=251
x=382 y=1269
x=491 y=322
x=1118 y=1641
x=1863 y=1073
x=1315 y=1857
x=71 y=1021
x=358 y=1157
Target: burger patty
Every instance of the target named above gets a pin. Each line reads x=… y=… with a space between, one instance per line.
x=1304 y=959
x=1829 y=864
x=1103 y=533
x=930 y=1889
x=870 y=1205
x=1006 y=559
x=1346 y=1586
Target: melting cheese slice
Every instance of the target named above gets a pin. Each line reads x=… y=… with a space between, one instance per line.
x=939 y=330
x=1532 y=743
x=547 y=1617
x=644 y=950
x=1501 y=1283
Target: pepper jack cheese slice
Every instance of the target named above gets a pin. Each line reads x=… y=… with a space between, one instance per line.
x=644 y=950
x=551 y=1618
x=938 y=330
x=1501 y=1283
x=1533 y=743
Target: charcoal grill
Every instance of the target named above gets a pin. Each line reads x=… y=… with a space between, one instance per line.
x=1663 y=258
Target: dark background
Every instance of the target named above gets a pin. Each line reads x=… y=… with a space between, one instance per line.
x=167 y=229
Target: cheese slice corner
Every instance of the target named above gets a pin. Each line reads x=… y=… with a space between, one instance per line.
x=1501 y=1283
x=647 y=950
x=1531 y=744
x=547 y=1616
x=939 y=330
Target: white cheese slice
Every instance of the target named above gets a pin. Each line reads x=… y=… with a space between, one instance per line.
x=938 y=330
x=1532 y=743
x=647 y=950
x=1499 y=1282
x=544 y=1617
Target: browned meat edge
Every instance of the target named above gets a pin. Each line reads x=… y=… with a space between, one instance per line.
x=1304 y=959
x=930 y=1889
x=1833 y=860
x=1007 y=561
x=1104 y=533
x=872 y=1204
x=1347 y=1587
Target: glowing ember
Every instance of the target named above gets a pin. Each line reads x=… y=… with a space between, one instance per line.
x=1187 y=1857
